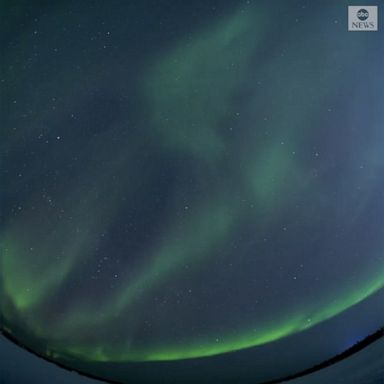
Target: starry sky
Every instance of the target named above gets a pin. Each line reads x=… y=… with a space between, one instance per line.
x=190 y=189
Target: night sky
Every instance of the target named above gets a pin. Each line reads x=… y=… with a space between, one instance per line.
x=190 y=190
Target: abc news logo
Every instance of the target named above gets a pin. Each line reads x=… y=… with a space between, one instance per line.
x=362 y=18
x=363 y=15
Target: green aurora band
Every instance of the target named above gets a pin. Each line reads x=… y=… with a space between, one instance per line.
x=194 y=84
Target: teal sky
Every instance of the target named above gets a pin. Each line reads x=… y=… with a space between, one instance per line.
x=188 y=183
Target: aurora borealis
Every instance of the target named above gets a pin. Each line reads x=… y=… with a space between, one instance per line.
x=185 y=181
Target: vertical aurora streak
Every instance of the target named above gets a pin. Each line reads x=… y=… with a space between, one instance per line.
x=206 y=194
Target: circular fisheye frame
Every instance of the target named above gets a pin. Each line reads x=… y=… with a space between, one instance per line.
x=190 y=191
x=362 y=14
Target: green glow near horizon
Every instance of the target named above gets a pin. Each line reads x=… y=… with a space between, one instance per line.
x=297 y=323
x=192 y=84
